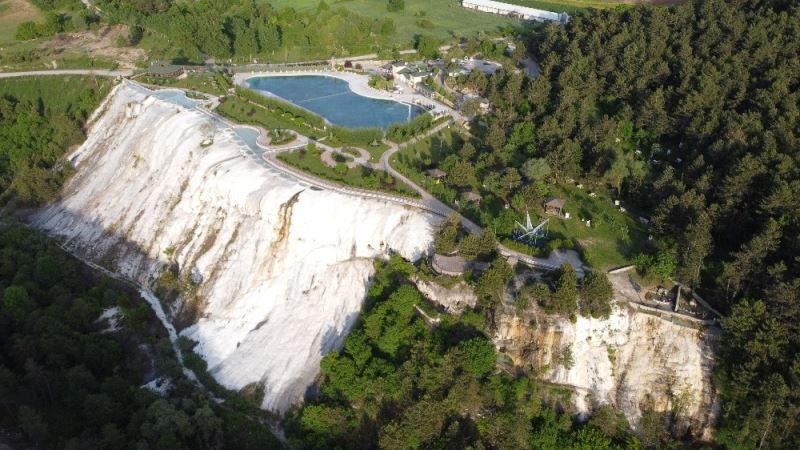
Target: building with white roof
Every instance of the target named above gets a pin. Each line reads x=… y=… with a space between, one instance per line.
x=522 y=12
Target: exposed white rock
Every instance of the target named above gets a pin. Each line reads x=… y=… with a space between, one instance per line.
x=111 y=316
x=282 y=269
x=632 y=360
x=454 y=299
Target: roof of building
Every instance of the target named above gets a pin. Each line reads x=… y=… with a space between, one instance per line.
x=456 y=265
x=449 y=264
x=472 y=196
x=556 y=203
x=517 y=9
x=163 y=68
x=420 y=73
x=436 y=173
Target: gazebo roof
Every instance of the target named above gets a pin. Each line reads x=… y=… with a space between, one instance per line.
x=436 y=173
x=555 y=203
x=472 y=196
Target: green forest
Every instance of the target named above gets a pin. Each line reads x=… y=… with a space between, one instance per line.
x=69 y=380
x=689 y=114
x=40 y=118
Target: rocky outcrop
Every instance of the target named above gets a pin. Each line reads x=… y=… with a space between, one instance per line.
x=272 y=272
x=631 y=360
x=453 y=298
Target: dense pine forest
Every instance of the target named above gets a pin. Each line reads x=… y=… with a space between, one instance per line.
x=692 y=113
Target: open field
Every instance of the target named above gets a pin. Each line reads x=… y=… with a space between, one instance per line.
x=12 y=13
x=448 y=17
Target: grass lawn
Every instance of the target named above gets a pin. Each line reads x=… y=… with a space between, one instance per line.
x=614 y=237
x=360 y=177
x=203 y=82
x=240 y=111
x=12 y=13
x=448 y=17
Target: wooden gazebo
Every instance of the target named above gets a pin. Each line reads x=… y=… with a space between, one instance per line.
x=555 y=207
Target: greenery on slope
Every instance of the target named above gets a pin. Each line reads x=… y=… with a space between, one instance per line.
x=69 y=381
x=441 y=19
x=40 y=118
x=246 y=30
x=401 y=383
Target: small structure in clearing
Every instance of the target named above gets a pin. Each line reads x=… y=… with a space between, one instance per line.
x=472 y=197
x=163 y=69
x=555 y=207
x=436 y=173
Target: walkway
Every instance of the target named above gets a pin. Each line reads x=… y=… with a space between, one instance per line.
x=98 y=73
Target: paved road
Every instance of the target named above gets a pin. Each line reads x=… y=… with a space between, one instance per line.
x=99 y=73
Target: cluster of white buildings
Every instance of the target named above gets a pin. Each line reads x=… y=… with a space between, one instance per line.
x=523 y=12
x=410 y=74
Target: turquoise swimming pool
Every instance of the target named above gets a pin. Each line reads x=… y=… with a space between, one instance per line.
x=332 y=99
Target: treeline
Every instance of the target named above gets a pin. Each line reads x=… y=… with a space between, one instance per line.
x=246 y=30
x=691 y=115
x=40 y=118
x=401 y=382
x=69 y=380
x=401 y=132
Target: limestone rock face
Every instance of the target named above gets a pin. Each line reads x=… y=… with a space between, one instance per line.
x=453 y=299
x=277 y=271
x=632 y=360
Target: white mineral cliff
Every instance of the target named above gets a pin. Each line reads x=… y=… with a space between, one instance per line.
x=634 y=360
x=280 y=270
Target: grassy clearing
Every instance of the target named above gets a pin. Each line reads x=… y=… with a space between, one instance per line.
x=28 y=55
x=448 y=17
x=614 y=237
x=360 y=177
x=240 y=111
x=202 y=82
x=62 y=93
x=13 y=13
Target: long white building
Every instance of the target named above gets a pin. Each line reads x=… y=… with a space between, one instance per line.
x=522 y=12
